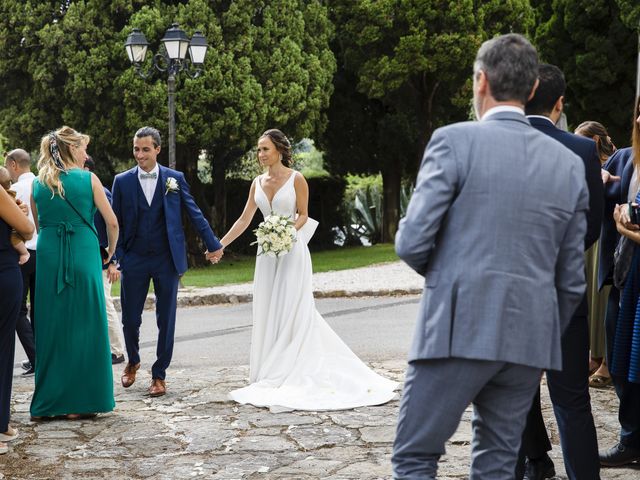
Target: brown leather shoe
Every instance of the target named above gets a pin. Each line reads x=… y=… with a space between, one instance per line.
x=129 y=375
x=157 y=388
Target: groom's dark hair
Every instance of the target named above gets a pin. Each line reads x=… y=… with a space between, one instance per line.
x=150 y=132
x=551 y=87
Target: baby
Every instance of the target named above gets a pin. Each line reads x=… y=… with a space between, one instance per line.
x=16 y=240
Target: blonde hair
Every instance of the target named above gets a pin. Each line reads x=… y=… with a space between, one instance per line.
x=55 y=156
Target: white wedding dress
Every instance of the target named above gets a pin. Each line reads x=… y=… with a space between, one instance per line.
x=297 y=361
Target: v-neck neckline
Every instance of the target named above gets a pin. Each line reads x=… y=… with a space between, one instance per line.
x=277 y=191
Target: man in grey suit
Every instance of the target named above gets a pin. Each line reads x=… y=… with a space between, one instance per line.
x=496 y=225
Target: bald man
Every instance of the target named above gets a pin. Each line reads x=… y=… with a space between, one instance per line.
x=18 y=162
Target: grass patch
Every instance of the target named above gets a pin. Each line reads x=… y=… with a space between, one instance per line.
x=239 y=268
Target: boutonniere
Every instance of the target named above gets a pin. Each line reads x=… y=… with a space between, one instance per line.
x=171 y=185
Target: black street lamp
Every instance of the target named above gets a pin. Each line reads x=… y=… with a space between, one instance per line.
x=172 y=60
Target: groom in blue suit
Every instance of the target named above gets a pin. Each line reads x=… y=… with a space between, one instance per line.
x=148 y=201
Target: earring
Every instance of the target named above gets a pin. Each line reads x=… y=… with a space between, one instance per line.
x=280 y=157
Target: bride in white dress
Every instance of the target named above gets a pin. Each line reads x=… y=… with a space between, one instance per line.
x=297 y=361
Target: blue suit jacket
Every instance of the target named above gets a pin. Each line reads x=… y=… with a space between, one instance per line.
x=125 y=206
x=585 y=148
x=101 y=226
x=619 y=164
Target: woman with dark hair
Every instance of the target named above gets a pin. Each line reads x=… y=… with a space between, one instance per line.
x=598 y=133
x=597 y=298
x=73 y=361
x=297 y=361
x=11 y=218
x=623 y=324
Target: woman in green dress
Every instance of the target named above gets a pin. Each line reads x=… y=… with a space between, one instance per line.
x=73 y=368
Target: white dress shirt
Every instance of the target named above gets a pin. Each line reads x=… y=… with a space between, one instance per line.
x=23 y=192
x=500 y=109
x=149 y=184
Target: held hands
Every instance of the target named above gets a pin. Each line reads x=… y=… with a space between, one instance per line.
x=113 y=274
x=214 y=257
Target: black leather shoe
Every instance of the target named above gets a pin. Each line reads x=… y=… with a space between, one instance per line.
x=619 y=455
x=539 y=468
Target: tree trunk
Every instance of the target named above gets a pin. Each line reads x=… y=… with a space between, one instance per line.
x=219 y=208
x=187 y=163
x=391 y=183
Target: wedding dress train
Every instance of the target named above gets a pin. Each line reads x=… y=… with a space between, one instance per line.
x=297 y=360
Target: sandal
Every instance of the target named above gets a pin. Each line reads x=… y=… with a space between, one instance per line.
x=599 y=381
x=4 y=448
x=80 y=416
x=10 y=434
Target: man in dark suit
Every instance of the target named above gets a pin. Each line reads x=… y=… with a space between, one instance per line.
x=149 y=200
x=568 y=388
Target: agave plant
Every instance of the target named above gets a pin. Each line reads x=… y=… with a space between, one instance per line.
x=405 y=195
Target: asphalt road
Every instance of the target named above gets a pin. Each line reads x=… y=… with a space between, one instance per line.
x=376 y=329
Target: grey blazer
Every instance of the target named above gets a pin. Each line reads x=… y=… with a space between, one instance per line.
x=496 y=225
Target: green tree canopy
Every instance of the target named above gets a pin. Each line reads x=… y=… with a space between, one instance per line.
x=630 y=13
x=598 y=55
x=404 y=70
x=269 y=65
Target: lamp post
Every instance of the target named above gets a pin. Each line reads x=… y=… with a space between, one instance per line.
x=172 y=60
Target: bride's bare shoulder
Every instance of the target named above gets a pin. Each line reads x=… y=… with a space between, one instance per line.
x=298 y=178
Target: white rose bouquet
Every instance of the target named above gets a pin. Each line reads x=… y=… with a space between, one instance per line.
x=275 y=235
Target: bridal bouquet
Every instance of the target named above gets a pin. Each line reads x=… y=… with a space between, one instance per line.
x=275 y=235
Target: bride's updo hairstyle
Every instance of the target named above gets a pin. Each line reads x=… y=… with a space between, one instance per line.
x=55 y=156
x=282 y=144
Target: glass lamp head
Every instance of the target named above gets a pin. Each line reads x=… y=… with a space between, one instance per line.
x=136 y=46
x=176 y=42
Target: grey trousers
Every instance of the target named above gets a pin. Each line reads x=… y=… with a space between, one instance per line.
x=436 y=394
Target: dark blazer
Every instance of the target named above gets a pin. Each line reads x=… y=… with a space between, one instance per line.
x=101 y=226
x=125 y=206
x=619 y=164
x=585 y=148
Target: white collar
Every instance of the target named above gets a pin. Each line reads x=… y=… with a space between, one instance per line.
x=26 y=176
x=500 y=109
x=543 y=118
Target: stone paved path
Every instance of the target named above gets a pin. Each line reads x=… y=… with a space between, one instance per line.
x=195 y=432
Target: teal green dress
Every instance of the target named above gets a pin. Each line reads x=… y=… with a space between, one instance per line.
x=73 y=360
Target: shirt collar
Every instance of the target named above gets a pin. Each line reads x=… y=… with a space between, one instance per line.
x=26 y=176
x=500 y=109
x=155 y=170
x=543 y=118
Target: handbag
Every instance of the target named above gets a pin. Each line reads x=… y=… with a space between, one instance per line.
x=104 y=254
x=622 y=257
